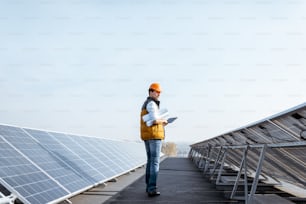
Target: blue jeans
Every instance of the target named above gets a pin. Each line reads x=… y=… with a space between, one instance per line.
x=153 y=148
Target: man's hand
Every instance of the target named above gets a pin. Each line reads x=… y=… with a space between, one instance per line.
x=165 y=122
x=161 y=121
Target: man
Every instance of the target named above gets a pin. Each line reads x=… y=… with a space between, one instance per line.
x=152 y=136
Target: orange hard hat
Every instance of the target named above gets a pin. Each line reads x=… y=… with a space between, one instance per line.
x=155 y=87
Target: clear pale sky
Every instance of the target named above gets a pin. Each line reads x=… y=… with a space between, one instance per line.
x=84 y=66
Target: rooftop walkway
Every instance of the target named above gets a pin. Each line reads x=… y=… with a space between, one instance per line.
x=179 y=181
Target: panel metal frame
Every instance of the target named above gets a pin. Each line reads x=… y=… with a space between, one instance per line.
x=279 y=135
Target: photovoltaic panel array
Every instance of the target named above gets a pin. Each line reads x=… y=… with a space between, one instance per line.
x=81 y=170
x=24 y=178
x=273 y=148
x=48 y=167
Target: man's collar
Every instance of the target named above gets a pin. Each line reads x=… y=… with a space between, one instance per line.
x=156 y=101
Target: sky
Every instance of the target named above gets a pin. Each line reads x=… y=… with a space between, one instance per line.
x=84 y=66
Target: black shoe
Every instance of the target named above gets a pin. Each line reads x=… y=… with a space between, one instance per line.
x=153 y=193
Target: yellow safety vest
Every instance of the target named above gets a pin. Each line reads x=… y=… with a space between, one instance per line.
x=154 y=132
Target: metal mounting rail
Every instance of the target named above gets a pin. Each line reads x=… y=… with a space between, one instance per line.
x=7 y=199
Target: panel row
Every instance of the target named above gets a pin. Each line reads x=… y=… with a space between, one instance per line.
x=45 y=167
x=283 y=136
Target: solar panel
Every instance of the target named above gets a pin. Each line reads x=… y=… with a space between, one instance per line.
x=290 y=164
x=275 y=148
x=45 y=159
x=47 y=167
x=69 y=157
x=113 y=150
x=101 y=149
x=26 y=180
x=85 y=151
x=109 y=153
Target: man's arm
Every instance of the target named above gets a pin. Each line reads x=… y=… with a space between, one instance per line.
x=153 y=111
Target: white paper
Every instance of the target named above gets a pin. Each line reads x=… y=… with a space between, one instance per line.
x=163 y=114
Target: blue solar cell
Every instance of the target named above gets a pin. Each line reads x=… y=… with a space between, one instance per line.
x=24 y=179
x=135 y=153
x=69 y=157
x=83 y=150
x=45 y=159
x=125 y=154
x=94 y=147
x=113 y=148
